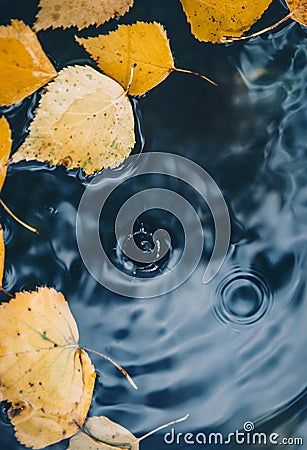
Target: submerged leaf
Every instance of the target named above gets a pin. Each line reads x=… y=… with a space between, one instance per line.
x=102 y=433
x=41 y=362
x=84 y=120
x=37 y=429
x=211 y=21
x=79 y=13
x=298 y=9
x=141 y=50
x=24 y=67
x=5 y=148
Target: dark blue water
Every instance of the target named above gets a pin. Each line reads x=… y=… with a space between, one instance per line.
x=227 y=352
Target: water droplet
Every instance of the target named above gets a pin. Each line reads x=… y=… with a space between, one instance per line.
x=147 y=241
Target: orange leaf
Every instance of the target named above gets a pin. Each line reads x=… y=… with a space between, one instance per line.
x=24 y=67
x=5 y=148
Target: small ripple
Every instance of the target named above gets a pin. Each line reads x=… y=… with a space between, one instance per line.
x=243 y=297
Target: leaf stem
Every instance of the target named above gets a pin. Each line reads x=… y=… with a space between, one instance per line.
x=121 y=369
x=6 y=292
x=7 y=209
x=161 y=427
x=227 y=39
x=191 y=72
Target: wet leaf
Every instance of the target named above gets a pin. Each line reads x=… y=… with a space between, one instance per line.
x=84 y=120
x=41 y=362
x=102 y=433
x=211 y=21
x=37 y=429
x=298 y=9
x=5 y=148
x=24 y=67
x=141 y=49
x=79 y=13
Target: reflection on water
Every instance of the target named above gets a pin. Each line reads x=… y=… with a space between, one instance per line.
x=226 y=352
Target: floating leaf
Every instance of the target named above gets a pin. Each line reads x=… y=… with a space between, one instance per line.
x=79 y=13
x=5 y=148
x=298 y=9
x=41 y=362
x=298 y=12
x=37 y=429
x=102 y=433
x=24 y=67
x=211 y=21
x=84 y=120
x=142 y=48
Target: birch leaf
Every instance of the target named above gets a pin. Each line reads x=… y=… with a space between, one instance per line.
x=84 y=120
x=24 y=67
x=101 y=433
x=141 y=49
x=298 y=9
x=41 y=362
x=36 y=428
x=79 y=13
x=211 y=21
x=5 y=148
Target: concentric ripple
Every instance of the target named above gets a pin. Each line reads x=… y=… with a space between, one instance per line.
x=243 y=297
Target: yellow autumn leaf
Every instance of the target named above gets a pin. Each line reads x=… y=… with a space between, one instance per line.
x=141 y=49
x=37 y=429
x=84 y=120
x=24 y=67
x=79 y=13
x=5 y=148
x=41 y=362
x=102 y=433
x=211 y=21
x=298 y=10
